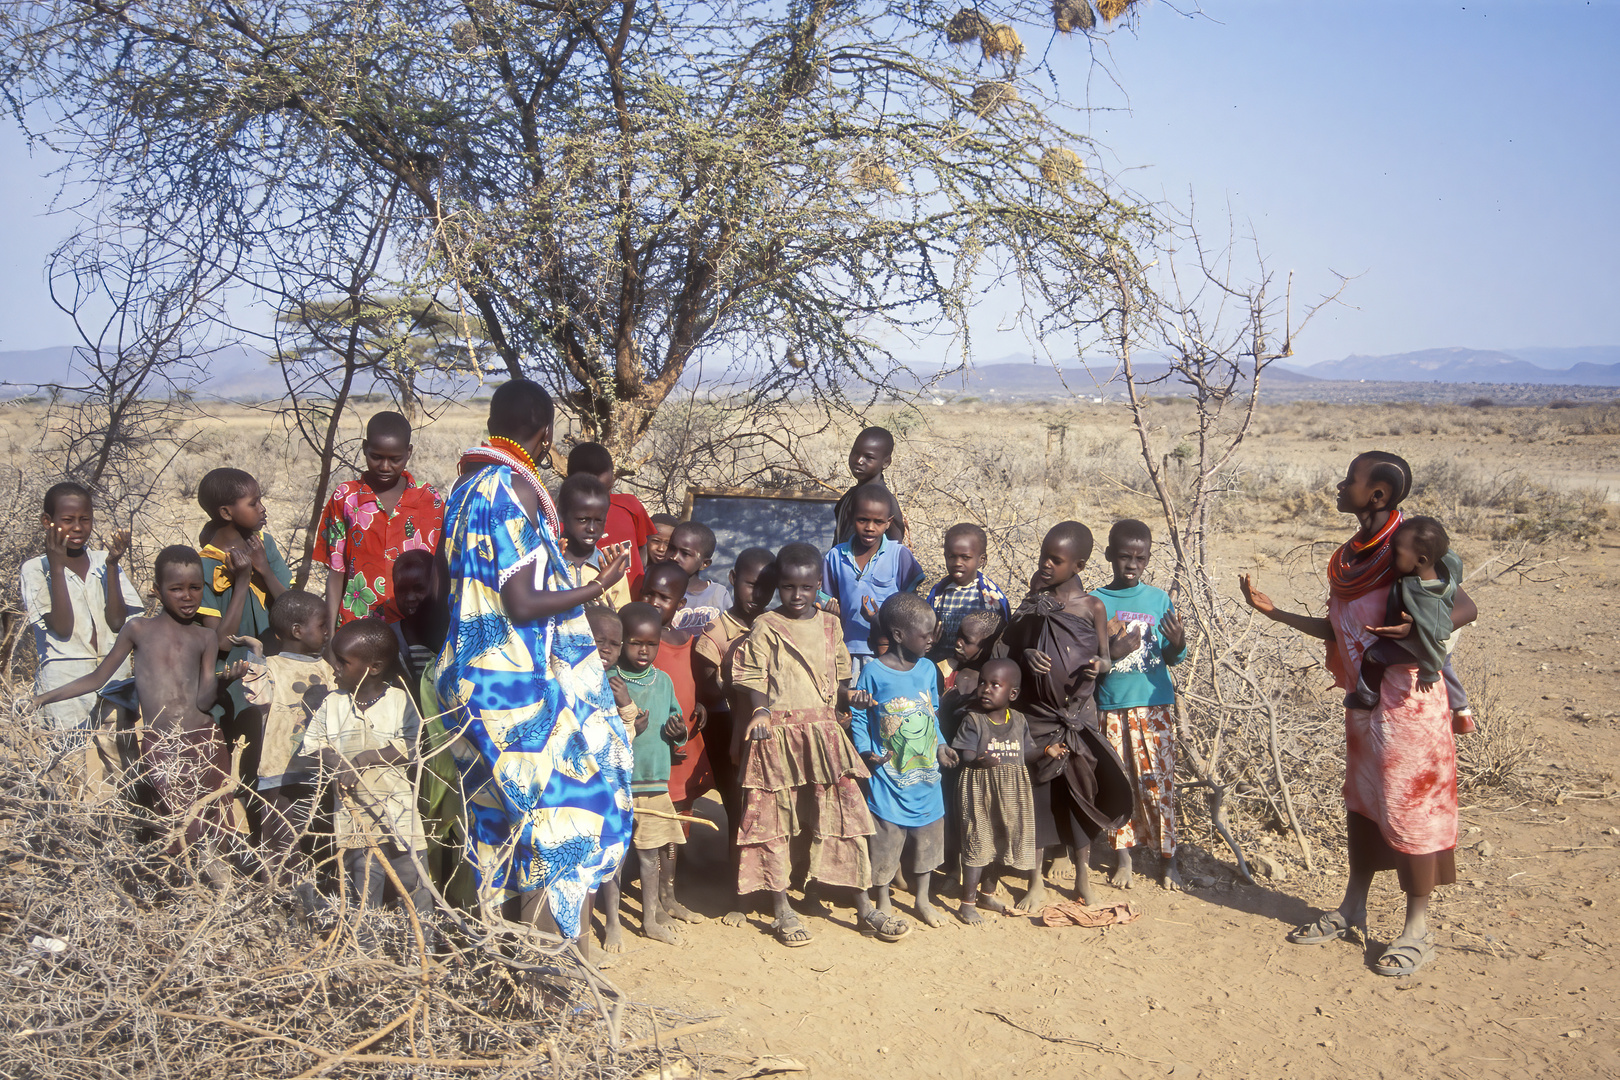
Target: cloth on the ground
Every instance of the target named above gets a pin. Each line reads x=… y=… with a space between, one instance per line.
x=653 y=693
x=891 y=569
x=952 y=603
x=1401 y=757
x=360 y=541
x=384 y=803
x=1145 y=739
x=800 y=795
x=1059 y=707
x=904 y=723
x=65 y=658
x=844 y=514
x=217 y=593
x=544 y=759
x=288 y=687
x=1143 y=676
x=654 y=830
x=692 y=775
x=1070 y=913
x=890 y=841
x=628 y=522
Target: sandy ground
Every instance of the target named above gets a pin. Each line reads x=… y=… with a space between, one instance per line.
x=1203 y=985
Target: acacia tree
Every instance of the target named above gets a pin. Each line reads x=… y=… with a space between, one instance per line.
x=616 y=190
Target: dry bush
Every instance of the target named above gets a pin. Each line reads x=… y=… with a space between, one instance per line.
x=1504 y=741
x=116 y=961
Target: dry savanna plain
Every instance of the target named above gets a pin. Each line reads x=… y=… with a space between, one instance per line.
x=1525 y=982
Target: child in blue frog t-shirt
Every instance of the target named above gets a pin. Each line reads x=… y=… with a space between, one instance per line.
x=899 y=738
x=867 y=569
x=1137 y=698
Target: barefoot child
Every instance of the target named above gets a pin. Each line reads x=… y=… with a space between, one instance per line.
x=174 y=660
x=690 y=773
x=77 y=599
x=898 y=737
x=1400 y=786
x=660 y=726
x=371 y=521
x=753 y=586
x=691 y=544
x=288 y=688
x=608 y=632
x=582 y=508
x=964 y=588
x=1137 y=698
x=627 y=522
x=799 y=769
x=1056 y=635
x=996 y=809
x=959 y=675
x=871 y=454
x=866 y=570
x=365 y=737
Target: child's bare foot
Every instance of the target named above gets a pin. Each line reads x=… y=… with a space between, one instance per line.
x=1170 y=876
x=660 y=931
x=992 y=902
x=1033 y=900
x=969 y=914
x=1083 y=890
x=674 y=909
x=613 y=939
x=734 y=918
x=812 y=904
x=928 y=913
x=1124 y=873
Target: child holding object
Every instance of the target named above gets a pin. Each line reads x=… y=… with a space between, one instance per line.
x=691 y=544
x=1137 y=698
x=898 y=737
x=1057 y=636
x=77 y=598
x=627 y=526
x=799 y=769
x=582 y=508
x=174 y=658
x=996 y=808
x=660 y=726
x=865 y=570
x=370 y=521
x=365 y=736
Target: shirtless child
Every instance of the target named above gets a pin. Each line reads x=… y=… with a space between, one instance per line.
x=174 y=657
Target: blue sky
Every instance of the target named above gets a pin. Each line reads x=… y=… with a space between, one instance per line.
x=1462 y=158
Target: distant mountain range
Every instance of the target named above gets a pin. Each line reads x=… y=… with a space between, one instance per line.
x=1597 y=365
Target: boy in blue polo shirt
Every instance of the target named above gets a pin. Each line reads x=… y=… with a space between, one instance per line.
x=866 y=570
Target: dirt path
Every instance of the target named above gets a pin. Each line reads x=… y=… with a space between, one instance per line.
x=1525 y=982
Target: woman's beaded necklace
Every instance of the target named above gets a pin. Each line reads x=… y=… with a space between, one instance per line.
x=516 y=449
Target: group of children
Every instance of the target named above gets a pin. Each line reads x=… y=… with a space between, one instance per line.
x=859 y=729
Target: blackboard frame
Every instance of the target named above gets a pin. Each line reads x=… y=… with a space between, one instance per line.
x=816 y=495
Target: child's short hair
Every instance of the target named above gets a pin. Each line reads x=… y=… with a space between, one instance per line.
x=665 y=519
x=1015 y=674
x=601 y=618
x=1429 y=538
x=904 y=611
x=799 y=556
x=1123 y=532
x=967 y=528
x=414 y=559
x=985 y=620
x=292 y=608
x=222 y=487
x=752 y=558
x=66 y=489
x=519 y=410
x=704 y=534
x=668 y=571
x=388 y=425
x=639 y=615
x=369 y=639
x=174 y=555
x=1392 y=471
x=881 y=434
x=590 y=457
x=579 y=487
x=1075 y=535
x=872 y=494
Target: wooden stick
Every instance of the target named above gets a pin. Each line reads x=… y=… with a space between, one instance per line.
x=677 y=817
x=671 y=1034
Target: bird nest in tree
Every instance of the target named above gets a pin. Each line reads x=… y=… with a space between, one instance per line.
x=875 y=176
x=1060 y=165
x=1001 y=42
x=967 y=25
x=990 y=96
x=1071 y=15
x=1113 y=9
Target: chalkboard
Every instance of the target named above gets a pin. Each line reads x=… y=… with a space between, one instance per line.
x=752 y=517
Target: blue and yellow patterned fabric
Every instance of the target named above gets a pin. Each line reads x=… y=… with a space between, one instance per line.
x=544 y=758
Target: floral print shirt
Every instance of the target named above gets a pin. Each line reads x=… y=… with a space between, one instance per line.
x=360 y=540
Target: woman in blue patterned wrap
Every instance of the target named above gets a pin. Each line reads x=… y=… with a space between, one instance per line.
x=543 y=756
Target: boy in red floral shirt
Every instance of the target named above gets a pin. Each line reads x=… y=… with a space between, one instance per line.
x=368 y=522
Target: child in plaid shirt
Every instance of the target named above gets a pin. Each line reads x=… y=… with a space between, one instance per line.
x=964 y=588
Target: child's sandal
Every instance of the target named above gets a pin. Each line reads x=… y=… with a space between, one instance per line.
x=884 y=927
x=790 y=932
